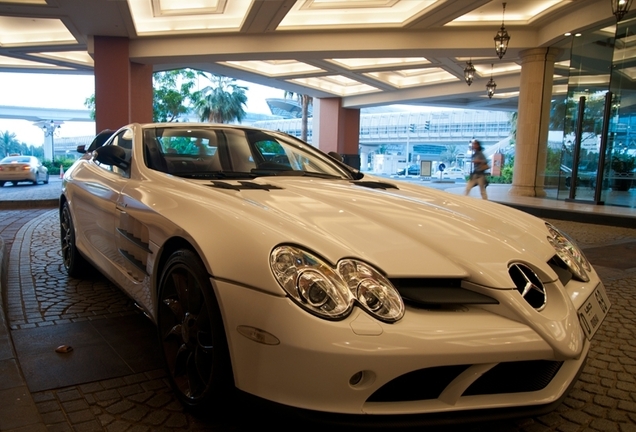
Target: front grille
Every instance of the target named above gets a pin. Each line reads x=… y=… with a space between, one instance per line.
x=427 y=384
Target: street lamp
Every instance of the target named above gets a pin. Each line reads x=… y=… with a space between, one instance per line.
x=49 y=131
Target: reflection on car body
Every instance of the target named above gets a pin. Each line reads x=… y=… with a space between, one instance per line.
x=274 y=268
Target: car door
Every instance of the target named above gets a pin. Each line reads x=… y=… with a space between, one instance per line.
x=95 y=193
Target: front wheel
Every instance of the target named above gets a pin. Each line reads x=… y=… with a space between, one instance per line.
x=191 y=333
x=74 y=262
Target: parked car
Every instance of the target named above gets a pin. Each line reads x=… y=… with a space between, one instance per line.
x=312 y=285
x=412 y=170
x=17 y=168
x=452 y=173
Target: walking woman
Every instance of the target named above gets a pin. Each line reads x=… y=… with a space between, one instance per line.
x=480 y=166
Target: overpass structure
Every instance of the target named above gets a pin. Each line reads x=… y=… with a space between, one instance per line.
x=49 y=120
x=399 y=134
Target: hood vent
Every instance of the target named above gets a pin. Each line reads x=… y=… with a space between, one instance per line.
x=438 y=292
x=375 y=184
x=529 y=285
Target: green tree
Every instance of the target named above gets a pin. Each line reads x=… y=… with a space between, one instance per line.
x=450 y=153
x=89 y=103
x=173 y=94
x=513 y=127
x=8 y=142
x=223 y=101
x=305 y=102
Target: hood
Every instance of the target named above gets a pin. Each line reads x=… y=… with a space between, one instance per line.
x=403 y=229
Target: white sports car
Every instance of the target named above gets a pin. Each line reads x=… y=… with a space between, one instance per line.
x=274 y=268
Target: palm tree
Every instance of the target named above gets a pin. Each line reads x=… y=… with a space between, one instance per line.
x=305 y=102
x=223 y=101
x=7 y=141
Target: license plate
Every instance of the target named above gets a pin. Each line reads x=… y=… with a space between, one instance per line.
x=593 y=311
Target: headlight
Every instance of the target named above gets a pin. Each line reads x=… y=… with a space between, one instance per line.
x=374 y=292
x=312 y=283
x=331 y=293
x=569 y=253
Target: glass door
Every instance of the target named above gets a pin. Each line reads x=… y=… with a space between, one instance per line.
x=620 y=154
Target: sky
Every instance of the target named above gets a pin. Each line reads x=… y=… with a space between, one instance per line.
x=70 y=92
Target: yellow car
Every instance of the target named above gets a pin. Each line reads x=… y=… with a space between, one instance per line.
x=17 y=169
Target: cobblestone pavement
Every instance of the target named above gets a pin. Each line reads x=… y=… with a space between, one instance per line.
x=40 y=294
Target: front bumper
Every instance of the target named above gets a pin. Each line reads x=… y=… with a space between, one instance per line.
x=347 y=366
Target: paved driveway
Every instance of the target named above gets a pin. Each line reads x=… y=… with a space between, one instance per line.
x=113 y=380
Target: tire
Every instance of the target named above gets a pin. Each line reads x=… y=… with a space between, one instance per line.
x=37 y=179
x=1 y=183
x=191 y=334
x=74 y=263
x=46 y=179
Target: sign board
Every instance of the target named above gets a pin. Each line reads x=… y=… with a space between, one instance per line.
x=425 y=168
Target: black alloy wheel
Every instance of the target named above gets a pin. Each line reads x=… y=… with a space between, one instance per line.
x=74 y=262
x=191 y=333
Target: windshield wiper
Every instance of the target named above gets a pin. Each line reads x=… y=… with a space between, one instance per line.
x=294 y=173
x=217 y=175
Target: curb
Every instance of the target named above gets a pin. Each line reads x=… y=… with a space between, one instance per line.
x=18 y=410
x=24 y=204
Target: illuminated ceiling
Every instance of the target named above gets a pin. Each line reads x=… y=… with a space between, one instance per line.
x=369 y=52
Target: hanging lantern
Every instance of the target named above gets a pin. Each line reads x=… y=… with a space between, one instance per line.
x=502 y=37
x=620 y=8
x=469 y=72
x=491 y=85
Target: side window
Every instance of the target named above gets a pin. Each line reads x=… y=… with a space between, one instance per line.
x=124 y=140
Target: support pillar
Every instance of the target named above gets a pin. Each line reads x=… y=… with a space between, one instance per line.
x=141 y=93
x=533 y=120
x=337 y=129
x=123 y=90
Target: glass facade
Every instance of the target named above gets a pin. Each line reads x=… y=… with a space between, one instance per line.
x=595 y=159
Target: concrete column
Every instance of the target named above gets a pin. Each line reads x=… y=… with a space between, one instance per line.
x=123 y=90
x=337 y=129
x=535 y=92
x=141 y=92
x=112 y=82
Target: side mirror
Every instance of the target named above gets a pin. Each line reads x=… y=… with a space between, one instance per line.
x=336 y=156
x=112 y=155
x=81 y=149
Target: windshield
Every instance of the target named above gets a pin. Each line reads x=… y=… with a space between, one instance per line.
x=217 y=152
x=18 y=159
